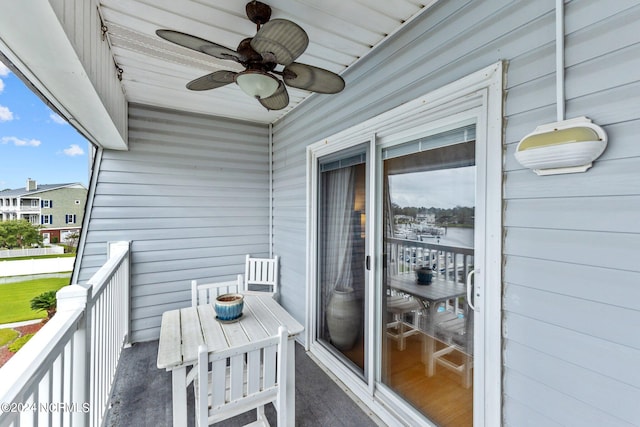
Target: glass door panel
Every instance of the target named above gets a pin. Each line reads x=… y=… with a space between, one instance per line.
x=428 y=242
x=341 y=255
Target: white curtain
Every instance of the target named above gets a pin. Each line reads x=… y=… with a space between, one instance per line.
x=338 y=200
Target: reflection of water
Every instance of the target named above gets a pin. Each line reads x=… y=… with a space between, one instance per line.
x=455 y=236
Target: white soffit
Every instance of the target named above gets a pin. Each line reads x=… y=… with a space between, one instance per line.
x=156 y=71
x=33 y=39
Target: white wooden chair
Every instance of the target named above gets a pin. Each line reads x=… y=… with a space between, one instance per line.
x=399 y=328
x=206 y=293
x=236 y=380
x=456 y=333
x=261 y=274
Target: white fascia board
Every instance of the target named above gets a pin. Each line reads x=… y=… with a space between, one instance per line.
x=33 y=39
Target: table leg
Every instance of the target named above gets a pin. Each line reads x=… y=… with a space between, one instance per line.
x=291 y=382
x=179 y=396
x=429 y=342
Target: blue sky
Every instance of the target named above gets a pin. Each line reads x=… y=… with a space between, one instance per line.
x=34 y=141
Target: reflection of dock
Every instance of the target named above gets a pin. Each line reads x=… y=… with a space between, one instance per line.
x=429 y=230
x=420 y=232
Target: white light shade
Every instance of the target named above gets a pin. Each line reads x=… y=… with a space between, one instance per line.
x=257 y=84
x=562 y=147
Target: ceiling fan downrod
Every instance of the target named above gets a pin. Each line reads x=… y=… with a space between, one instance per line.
x=258 y=13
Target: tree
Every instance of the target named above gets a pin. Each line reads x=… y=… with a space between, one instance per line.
x=45 y=301
x=19 y=233
x=72 y=240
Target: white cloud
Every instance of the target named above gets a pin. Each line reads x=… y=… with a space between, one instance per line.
x=20 y=142
x=5 y=114
x=57 y=119
x=4 y=71
x=73 y=150
x=445 y=188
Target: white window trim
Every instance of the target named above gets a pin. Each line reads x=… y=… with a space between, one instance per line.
x=482 y=91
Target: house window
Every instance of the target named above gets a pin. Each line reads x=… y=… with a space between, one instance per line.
x=70 y=219
x=46 y=219
x=46 y=203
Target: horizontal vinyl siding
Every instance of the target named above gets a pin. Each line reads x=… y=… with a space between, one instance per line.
x=192 y=196
x=571 y=283
x=571 y=279
x=451 y=40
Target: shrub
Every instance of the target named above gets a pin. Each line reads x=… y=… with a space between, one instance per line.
x=45 y=301
x=19 y=343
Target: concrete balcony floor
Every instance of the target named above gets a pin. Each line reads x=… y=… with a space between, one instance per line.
x=141 y=395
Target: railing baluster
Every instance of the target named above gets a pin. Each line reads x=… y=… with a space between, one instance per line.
x=442 y=258
x=72 y=360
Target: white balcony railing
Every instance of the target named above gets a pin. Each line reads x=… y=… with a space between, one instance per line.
x=449 y=262
x=63 y=375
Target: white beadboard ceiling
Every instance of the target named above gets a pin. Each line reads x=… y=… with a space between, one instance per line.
x=156 y=71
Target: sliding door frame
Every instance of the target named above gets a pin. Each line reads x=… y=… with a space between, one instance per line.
x=478 y=96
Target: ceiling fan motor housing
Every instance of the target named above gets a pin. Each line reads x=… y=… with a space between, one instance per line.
x=252 y=59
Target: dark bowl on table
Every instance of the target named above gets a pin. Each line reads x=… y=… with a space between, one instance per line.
x=424 y=276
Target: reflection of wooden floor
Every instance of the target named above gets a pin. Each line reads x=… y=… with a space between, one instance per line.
x=442 y=398
x=356 y=354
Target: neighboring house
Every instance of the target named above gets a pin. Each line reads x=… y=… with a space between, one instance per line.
x=57 y=208
x=426 y=218
x=196 y=180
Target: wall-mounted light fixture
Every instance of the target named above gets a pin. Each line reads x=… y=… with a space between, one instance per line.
x=566 y=146
x=562 y=147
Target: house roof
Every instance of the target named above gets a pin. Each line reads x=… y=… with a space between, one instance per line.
x=20 y=192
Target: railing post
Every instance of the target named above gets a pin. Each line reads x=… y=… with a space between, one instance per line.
x=71 y=298
x=117 y=247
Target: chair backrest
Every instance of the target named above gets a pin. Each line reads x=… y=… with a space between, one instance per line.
x=261 y=274
x=206 y=293
x=236 y=380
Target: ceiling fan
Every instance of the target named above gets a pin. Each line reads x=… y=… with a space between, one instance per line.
x=277 y=42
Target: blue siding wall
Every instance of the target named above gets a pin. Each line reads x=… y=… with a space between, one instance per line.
x=571 y=242
x=192 y=196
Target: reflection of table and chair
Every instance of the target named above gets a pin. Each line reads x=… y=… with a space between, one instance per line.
x=183 y=331
x=444 y=322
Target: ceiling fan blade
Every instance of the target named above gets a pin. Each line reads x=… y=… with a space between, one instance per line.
x=284 y=39
x=212 y=81
x=278 y=100
x=308 y=77
x=200 y=45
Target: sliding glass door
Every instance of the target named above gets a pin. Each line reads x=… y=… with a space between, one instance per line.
x=341 y=290
x=429 y=199
x=404 y=257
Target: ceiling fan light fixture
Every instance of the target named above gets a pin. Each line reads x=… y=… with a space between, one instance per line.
x=256 y=83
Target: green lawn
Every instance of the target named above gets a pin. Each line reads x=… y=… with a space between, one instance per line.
x=15 y=298
x=7 y=335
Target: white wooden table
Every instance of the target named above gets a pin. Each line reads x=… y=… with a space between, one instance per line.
x=440 y=290
x=183 y=330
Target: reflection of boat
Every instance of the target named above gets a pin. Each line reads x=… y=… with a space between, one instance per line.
x=429 y=230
